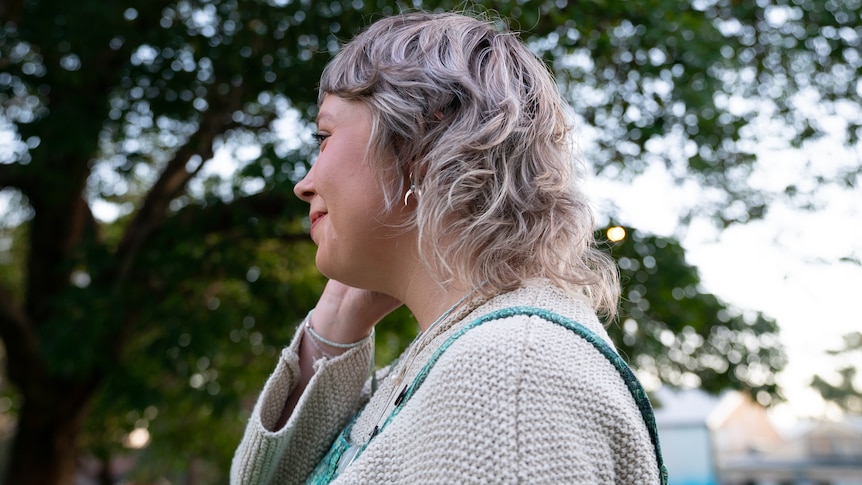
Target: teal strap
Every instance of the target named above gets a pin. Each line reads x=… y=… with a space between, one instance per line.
x=328 y=467
x=631 y=381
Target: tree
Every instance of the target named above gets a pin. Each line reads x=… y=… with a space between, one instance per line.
x=672 y=331
x=169 y=305
x=142 y=97
x=698 y=85
x=846 y=391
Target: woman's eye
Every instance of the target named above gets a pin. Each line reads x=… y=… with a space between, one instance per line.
x=320 y=138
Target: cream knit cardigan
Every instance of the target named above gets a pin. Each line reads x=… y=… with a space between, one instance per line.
x=517 y=400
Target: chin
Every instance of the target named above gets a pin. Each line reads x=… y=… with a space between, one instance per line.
x=323 y=266
x=326 y=267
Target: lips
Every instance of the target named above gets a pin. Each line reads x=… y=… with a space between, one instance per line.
x=315 y=217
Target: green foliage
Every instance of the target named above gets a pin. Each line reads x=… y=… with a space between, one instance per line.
x=673 y=331
x=845 y=391
x=690 y=84
x=170 y=316
x=218 y=312
x=646 y=74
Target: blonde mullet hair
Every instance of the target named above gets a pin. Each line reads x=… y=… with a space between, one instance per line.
x=479 y=122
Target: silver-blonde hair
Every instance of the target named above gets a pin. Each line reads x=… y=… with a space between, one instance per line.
x=479 y=123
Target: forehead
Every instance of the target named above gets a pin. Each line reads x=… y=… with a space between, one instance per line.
x=337 y=109
x=322 y=116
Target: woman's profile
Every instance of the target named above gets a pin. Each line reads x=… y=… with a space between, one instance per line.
x=445 y=182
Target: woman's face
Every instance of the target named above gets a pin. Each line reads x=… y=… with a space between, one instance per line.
x=356 y=243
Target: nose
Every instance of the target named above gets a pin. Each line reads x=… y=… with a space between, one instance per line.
x=304 y=189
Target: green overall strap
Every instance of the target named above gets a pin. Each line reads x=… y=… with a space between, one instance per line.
x=631 y=381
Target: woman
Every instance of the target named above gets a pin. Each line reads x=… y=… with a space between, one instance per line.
x=444 y=182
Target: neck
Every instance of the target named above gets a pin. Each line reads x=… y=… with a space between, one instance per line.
x=414 y=286
x=428 y=300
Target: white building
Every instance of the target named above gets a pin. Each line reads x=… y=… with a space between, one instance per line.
x=729 y=440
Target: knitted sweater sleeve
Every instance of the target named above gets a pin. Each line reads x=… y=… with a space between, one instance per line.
x=287 y=455
x=519 y=400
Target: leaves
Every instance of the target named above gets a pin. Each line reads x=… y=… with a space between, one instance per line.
x=843 y=388
x=672 y=330
x=141 y=264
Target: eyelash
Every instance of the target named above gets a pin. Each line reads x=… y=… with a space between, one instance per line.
x=319 y=137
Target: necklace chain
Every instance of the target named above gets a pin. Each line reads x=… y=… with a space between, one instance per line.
x=415 y=348
x=419 y=342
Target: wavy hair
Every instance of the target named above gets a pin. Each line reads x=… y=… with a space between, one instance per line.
x=478 y=122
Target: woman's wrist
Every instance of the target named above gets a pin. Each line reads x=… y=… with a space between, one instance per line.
x=329 y=345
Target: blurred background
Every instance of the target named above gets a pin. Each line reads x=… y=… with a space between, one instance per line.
x=153 y=258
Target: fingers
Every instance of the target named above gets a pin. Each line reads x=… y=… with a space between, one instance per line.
x=346 y=314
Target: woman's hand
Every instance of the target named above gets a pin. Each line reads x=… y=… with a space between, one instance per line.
x=345 y=314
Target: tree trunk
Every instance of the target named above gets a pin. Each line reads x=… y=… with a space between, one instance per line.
x=106 y=475
x=45 y=449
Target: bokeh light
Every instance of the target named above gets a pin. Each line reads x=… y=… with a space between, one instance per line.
x=616 y=233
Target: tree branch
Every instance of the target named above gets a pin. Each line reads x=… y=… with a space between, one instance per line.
x=229 y=219
x=20 y=342
x=225 y=217
x=174 y=178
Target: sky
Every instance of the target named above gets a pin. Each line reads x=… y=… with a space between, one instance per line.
x=786 y=265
